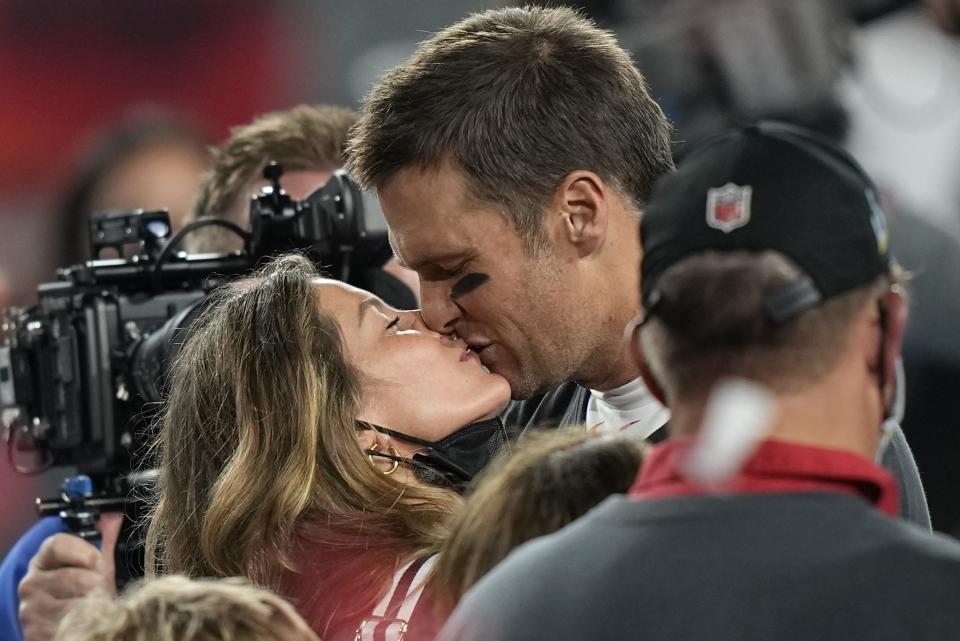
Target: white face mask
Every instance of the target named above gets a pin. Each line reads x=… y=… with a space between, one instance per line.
x=895 y=411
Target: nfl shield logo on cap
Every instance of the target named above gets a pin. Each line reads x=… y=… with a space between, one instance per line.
x=728 y=207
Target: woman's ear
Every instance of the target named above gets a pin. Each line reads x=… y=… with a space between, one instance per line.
x=371 y=440
x=368 y=439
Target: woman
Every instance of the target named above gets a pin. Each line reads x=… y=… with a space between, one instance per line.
x=292 y=446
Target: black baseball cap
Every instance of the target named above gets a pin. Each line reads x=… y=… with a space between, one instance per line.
x=769 y=186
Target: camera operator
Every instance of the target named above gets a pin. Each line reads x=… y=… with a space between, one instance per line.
x=307 y=141
x=773 y=321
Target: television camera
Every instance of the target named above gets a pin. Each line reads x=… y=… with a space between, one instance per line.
x=82 y=371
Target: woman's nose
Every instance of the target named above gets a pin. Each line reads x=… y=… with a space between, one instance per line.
x=420 y=325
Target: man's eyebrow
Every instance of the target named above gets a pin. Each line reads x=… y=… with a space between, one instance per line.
x=431 y=260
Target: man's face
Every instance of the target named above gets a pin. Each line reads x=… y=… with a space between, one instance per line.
x=476 y=279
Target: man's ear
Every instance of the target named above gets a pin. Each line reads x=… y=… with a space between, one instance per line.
x=636 y=352
x=894 y=304
x=582 y=200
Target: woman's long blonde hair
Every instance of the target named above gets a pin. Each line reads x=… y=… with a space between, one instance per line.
x=260 y=458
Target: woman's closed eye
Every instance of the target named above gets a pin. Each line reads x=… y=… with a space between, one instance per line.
x=394 y=322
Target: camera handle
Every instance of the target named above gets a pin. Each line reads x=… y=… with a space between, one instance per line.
x=78 y=508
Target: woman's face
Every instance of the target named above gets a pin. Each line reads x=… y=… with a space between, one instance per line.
x=415 y=381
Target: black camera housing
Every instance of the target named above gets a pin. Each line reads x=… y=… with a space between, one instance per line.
x=82 y=371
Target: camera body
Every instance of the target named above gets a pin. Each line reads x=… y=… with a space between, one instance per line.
x=82 y=371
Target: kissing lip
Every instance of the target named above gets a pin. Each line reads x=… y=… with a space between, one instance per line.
x=476 y=348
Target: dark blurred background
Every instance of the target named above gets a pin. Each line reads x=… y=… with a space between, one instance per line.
x=134 y=90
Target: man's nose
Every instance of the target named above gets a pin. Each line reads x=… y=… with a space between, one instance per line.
x=439 y=311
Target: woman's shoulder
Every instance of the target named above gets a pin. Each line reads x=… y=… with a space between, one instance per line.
x=366 y=595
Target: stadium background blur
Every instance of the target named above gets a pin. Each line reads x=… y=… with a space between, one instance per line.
x=883 y=75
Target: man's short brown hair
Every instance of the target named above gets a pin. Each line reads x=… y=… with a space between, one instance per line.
x=516 y=99
x=305 y=137
x=715 y=325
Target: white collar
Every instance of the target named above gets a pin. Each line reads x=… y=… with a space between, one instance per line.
x=630 y=407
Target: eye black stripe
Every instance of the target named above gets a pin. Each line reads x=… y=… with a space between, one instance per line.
x=467 y=284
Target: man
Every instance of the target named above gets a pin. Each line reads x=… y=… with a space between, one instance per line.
x=765 y=259
x=513 y=154
x=308 y=141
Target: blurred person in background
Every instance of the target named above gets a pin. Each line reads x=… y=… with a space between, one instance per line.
x=946 y=13
x=904 y=105
x=176 y=608
x=770 y=298
x=151 y=159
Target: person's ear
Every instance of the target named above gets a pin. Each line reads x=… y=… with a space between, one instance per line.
x=371 y=440
x=632 y=335
x=368 y=439
x=584 y=211
x=894 y=304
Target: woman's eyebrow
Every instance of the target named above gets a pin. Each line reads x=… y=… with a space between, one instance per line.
x=365 y=305
x=371 y=302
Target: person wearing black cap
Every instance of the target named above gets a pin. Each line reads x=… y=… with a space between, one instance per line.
x=774 y=318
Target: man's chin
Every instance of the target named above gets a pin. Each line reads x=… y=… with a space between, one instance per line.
x=522 y=389
x=523 y=385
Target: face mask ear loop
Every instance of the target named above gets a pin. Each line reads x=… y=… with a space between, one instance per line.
x=401 y=436
x=894 y=410
x=882 y=359
x=400 y=460
x=631 y=334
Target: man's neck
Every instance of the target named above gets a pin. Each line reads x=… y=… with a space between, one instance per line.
x=818 y=417
x=614 y=373
x=612 y=364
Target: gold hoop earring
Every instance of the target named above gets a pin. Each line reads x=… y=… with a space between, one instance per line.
x=392 y=451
